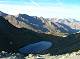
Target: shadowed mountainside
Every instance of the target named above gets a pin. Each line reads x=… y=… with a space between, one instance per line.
x=10 y=35
x=12 y=38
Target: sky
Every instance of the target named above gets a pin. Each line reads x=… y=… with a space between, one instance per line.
x=45 y=8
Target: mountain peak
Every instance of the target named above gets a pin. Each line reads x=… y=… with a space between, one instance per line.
x=23 y=15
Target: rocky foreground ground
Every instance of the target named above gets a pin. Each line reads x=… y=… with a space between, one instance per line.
x=5 y=55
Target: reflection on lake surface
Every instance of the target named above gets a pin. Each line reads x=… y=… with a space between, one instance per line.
x=36 y=47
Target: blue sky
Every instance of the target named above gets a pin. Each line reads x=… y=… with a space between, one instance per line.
x=45 y=8
x=41 y=2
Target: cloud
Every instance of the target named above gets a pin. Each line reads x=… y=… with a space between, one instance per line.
x=45 y=11
x=34 y=3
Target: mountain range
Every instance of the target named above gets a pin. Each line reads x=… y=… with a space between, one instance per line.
x=17 y=32
x=54 y=26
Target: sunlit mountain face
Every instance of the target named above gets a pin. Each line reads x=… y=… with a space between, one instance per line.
x=54 y=26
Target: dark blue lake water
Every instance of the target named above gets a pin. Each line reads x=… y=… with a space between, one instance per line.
x=36 y=47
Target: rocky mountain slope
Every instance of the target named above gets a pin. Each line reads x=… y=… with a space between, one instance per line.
x=13 y=38
x=14 y=35
x=53 y=26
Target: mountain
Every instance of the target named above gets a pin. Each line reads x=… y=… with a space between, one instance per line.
x=54 y=26
x=34 y=21
x=66 y=24
x=40 y=24
x=51 y=25
x=13 y=38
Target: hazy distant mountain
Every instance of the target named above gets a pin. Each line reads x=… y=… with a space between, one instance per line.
x=66 y=25
x=73 y=23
